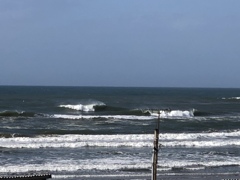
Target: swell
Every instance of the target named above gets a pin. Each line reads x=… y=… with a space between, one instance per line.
x=109 y=111
x=100 y=108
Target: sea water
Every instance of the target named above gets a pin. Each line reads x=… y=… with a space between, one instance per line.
x=91 y=132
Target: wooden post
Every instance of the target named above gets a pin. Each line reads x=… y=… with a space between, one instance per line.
x=155 y=150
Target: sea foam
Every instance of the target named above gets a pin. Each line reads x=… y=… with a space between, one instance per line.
x=153 y=114
x=84 y=107
x=129 y=117
x=113 y=164
x=172 y=113
x=201 y=140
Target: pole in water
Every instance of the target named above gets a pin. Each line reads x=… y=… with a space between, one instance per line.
x=155 y=150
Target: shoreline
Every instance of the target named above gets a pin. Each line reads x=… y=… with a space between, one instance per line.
x=167 y=176
x=140 y=176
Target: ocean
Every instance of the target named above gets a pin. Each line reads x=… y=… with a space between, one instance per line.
x=108 y=132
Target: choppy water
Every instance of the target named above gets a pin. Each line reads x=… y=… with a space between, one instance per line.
x=80 y=132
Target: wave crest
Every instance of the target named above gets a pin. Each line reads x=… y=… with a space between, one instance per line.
x=232 y=98
x=93 y=106
x=171 y=113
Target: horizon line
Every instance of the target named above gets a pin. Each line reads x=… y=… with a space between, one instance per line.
x=108 y=86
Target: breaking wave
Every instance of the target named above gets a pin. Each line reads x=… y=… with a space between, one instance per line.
x=234 y=98
x=85 y=107
x=171 y=113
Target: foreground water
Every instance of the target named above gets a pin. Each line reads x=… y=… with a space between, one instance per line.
x=84 y=132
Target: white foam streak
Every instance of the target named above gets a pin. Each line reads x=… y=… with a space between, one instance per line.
x=74 y=141
x=199 y=136
x=57 y=165
x=237 y=98
x=113 y=164
x=201 y=144
x=61 y=167
x=198 y=164
x=215 y=139
x=154 y=115
x=69 y=167
x=124 y=117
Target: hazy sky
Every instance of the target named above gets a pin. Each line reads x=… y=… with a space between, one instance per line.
x=162 y=43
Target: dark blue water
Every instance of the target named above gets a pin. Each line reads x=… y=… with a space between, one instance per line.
x=84 y=132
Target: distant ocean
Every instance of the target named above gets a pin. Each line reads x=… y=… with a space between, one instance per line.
x=91 y=132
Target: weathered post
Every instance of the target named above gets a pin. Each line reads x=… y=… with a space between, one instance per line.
x=155 y=150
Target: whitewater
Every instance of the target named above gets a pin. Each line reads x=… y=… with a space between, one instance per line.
x=214 y=139
x=103 y=132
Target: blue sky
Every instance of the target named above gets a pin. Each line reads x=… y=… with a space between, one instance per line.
x=156 y=43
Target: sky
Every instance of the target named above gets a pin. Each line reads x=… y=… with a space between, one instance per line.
x=139 y=43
